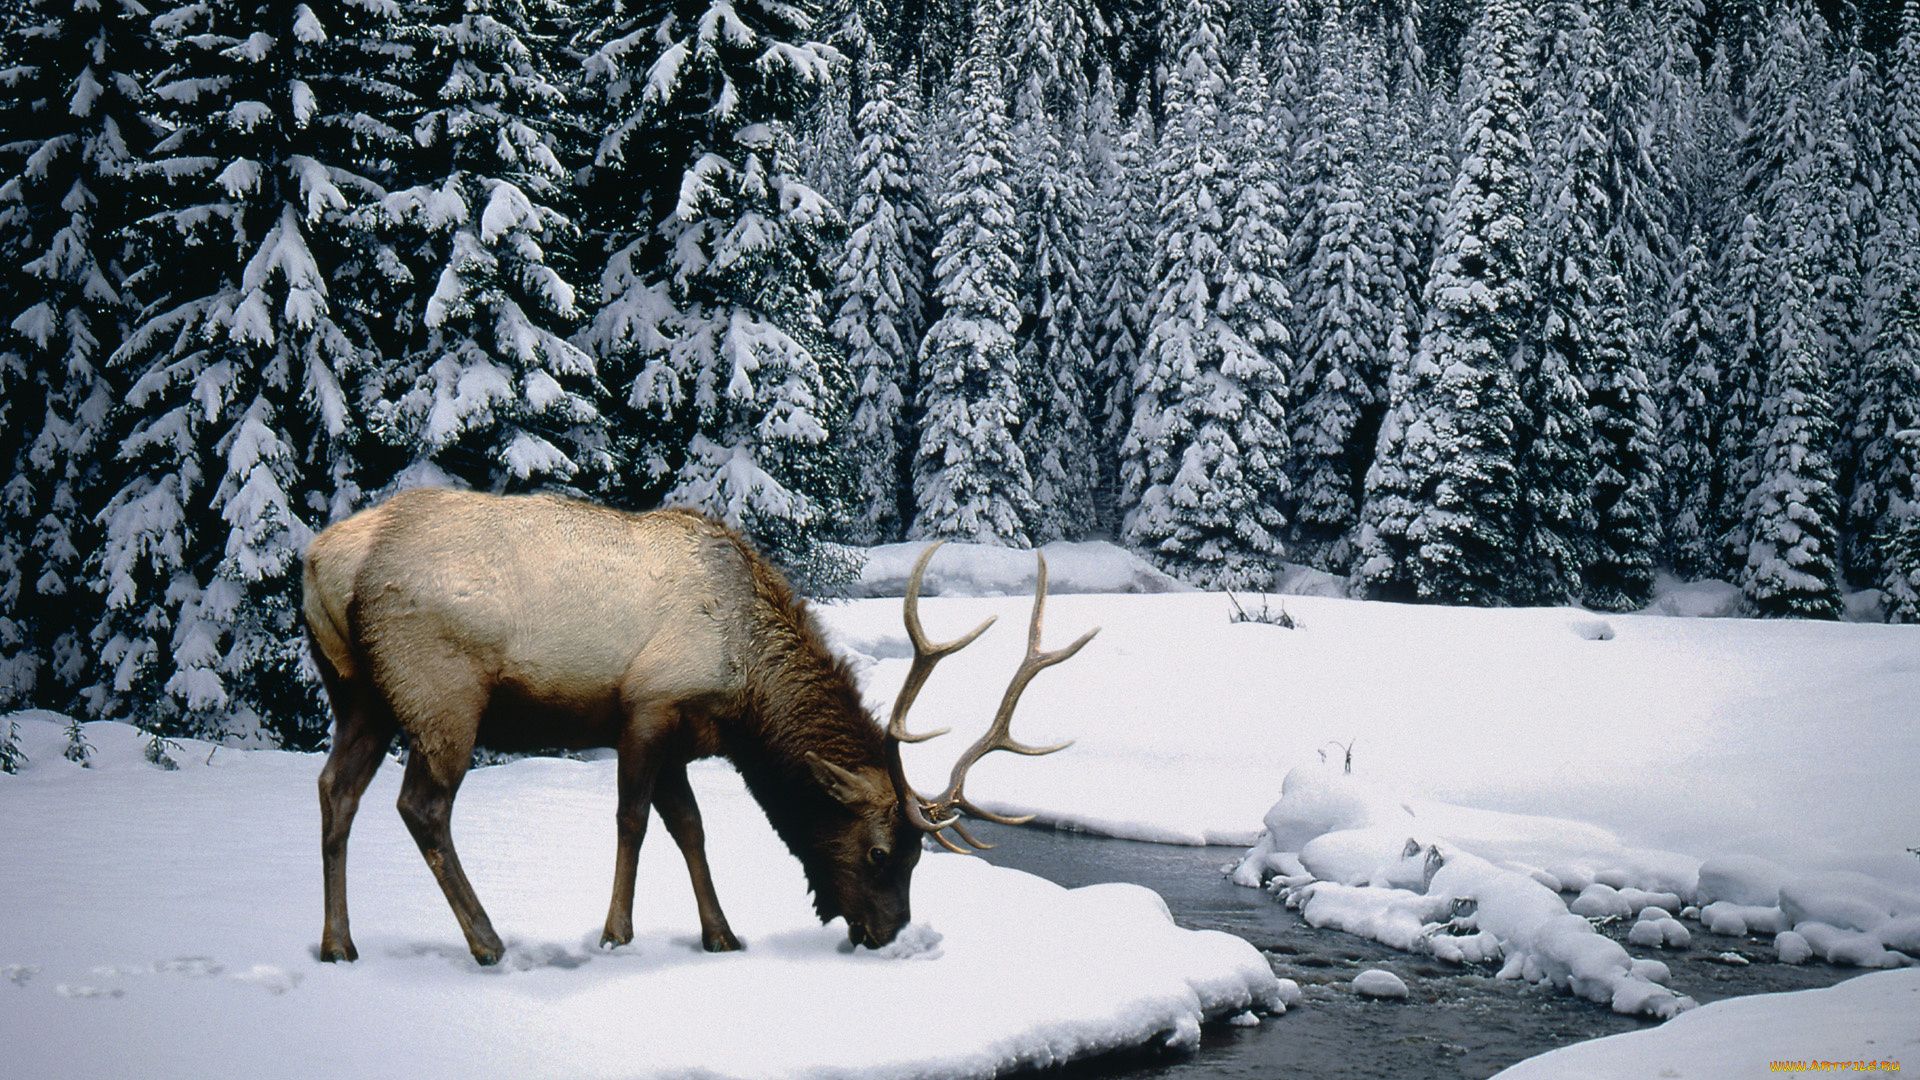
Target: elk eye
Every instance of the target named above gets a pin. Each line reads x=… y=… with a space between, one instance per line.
x=877 y=856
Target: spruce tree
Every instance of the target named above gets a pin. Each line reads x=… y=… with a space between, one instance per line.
x=1347 y=281
x=1626 y=475
x=1255 y=303
x=1692 y=342
x=1556 y=438
x=1204 y=454
x=1125 y=183
x=1896 y=529
x=1883 y=464
x=1054 y=205
x=488 y=389
x=1394 y=479
x=1792 y=562
x=971 y=479
x=1460 y=542
x=1737 y=407
x=712 y=257
x=1791 y=510
x=243 y=368
x=74 y=117
x=877 y=286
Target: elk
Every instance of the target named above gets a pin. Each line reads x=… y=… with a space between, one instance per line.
x=534 y=622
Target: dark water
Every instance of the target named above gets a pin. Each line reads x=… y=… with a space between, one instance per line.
x=1458 y=1022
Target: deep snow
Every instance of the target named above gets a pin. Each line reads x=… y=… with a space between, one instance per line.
x=166 y=924
x=1631 y=743
x=1608 y=754
x=1869 y=1023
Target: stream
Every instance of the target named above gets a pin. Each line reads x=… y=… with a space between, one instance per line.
x=1457 y=1022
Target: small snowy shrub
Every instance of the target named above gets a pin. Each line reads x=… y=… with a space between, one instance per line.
x=1266 y=616
x=11 y=757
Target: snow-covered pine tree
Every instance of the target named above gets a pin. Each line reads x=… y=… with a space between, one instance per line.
x=73 y=110
x=1792 y=558
x=1626 y=474
x=488 y=389
x=242 y=369
x=1204 y=458
x=877 y=287
x=1850 y=159
x=1255 y=304
x=1737 y=407
x=1792 y=512
x=1648 y=45
x=1555 y=440
x=1886 y=429
x=1896 y=371
x=1693 y=345
x=1394 y=477
x=716 y=263
x=1123 y=188
x=1290 y=50
x=971 y=479
x=1054 y=195
x=1347 y=282
x=1461 y=543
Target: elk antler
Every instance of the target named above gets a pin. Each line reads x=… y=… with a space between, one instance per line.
x=938 y=814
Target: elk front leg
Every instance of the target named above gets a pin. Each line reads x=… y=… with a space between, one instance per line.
x=673 y=797
x=637 y=771
x=359 y=745
x=426 y=805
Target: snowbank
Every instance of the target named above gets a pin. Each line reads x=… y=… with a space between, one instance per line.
x=1350 y=856
x=1869 y=1020
x=141 y=903
x=982 y=570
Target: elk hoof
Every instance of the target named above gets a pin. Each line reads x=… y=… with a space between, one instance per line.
x=611 y=940
x=333 y=954
x=724 y=941
x=486 y=957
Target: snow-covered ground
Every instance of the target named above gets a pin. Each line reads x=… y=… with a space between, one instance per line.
x=164 y=924
x=1865 y=1025
x=1613 y=738
x=1603 y=754
x=1500 y=759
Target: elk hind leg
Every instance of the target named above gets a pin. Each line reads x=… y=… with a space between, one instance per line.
x=673 y=798
x=426 y=805
x=361 y=735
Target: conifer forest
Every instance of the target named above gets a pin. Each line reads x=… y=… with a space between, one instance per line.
x=1484 y=303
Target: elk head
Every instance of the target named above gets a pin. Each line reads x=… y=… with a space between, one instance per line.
x=861 y=860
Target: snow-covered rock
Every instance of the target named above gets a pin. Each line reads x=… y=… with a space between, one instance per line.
x=1379 y=983
x=1739 y=920
x=1659 y=933
x=1742 y=879
x=1791 y=948
x=1846 y=900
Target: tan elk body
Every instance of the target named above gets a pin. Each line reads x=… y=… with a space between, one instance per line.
x=531 y=622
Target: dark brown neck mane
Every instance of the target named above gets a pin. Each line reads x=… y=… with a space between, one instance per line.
x=800 y=699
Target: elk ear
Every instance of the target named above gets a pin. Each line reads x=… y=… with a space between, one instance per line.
x=845 y=785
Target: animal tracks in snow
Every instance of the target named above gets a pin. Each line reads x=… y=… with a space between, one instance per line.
x=269 y=978
x=272 y=979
